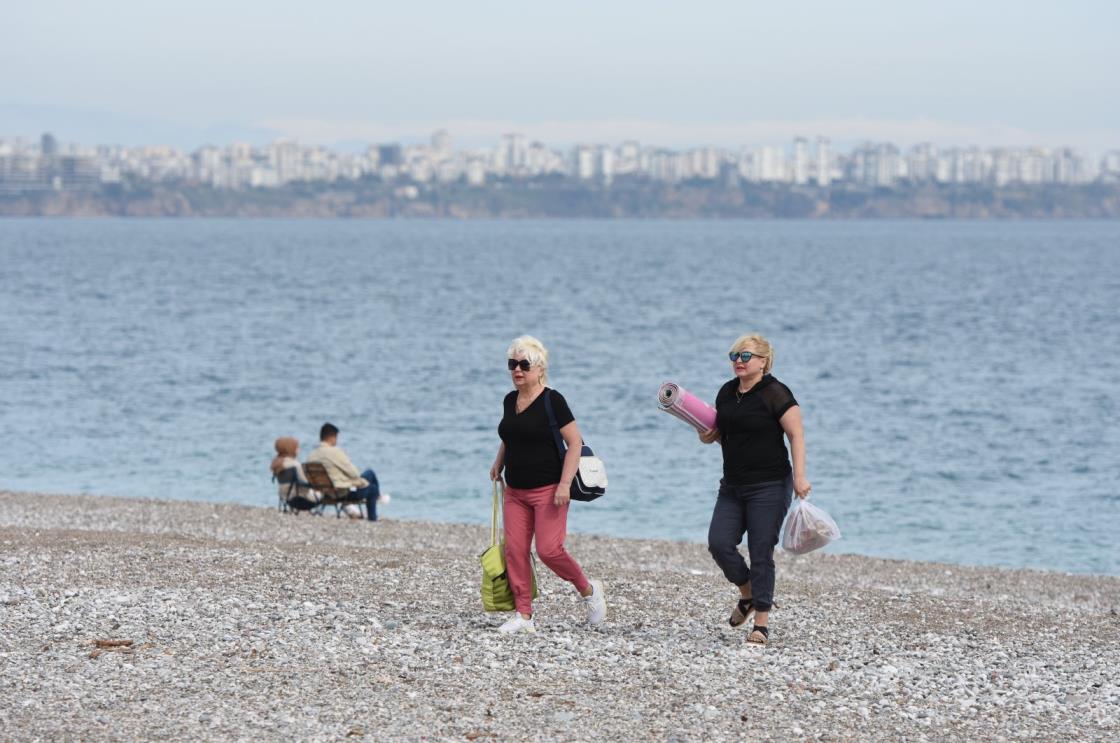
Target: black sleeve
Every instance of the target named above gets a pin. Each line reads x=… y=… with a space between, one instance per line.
x=779 y=399
x=508 y=402
x=561 y=410
x=724 y=397
x=727 y=391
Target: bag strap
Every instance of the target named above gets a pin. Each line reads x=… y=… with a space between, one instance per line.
x=494 y=516
x=560 y=445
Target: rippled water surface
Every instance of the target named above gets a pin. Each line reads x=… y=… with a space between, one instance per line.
x=958 y=380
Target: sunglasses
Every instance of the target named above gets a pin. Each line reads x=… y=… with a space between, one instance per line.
x=744 y=355
x=514 y=364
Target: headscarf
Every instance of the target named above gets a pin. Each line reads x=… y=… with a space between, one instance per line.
x=286 y=448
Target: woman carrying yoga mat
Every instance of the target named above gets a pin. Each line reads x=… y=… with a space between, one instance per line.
x=538 y=484
x=753 y=411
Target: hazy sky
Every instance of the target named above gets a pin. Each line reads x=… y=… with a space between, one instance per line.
x=726 y=73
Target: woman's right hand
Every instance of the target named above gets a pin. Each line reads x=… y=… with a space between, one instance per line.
x=710 y=436
x=496 y=471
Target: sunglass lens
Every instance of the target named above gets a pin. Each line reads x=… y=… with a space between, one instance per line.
x=736 y=355
x=512 y=364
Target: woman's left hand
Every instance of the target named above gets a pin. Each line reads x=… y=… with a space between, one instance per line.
x=563 y=494
x=801 y=487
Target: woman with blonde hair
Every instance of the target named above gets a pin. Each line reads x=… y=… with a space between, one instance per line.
x=753 y=411
x=538 y=483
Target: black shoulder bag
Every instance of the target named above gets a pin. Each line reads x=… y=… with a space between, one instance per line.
x=590 y=481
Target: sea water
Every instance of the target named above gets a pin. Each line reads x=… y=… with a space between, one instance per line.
x=958 y=380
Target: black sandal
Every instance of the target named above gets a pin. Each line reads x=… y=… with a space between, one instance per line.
x=741 y=613
x=763 y=632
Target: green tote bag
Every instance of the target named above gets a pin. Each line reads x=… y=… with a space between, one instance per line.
x=496 y=593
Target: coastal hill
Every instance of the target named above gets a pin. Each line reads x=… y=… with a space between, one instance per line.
x=141 y=619
x=568 y=198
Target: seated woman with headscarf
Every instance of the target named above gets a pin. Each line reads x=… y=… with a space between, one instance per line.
x=288 y=473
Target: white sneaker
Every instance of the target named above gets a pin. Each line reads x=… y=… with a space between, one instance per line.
x=596 y=603
x=517 y=624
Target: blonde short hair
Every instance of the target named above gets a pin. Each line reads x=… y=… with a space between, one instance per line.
x=758 y=346
x=533 y=350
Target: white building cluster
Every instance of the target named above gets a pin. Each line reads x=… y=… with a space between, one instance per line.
x=46 y=165
x=885 y=165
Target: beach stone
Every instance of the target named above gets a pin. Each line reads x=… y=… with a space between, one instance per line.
x=247 y=623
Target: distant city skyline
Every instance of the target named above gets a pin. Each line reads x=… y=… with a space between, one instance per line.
x=727 y=74
x=51 y=165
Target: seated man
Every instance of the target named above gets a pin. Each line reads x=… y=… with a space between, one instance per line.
x=342 y=471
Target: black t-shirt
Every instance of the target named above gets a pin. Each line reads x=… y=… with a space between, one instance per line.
x=532 y=459
x=750 y=434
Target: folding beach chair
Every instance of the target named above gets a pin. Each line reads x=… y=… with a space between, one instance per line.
x=332 y=496
x=289 y=498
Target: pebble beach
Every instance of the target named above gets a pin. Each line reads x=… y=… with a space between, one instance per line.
x=130 y=619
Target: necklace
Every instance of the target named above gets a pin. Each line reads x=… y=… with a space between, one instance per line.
x=740 y=393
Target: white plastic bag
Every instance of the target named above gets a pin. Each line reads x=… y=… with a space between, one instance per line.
x=807 y=528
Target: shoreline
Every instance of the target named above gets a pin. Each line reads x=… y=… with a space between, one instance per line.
x=247 y=622
x=839 y=551
x=576 y=200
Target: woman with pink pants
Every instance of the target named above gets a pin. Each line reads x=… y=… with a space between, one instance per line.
x=538 y=484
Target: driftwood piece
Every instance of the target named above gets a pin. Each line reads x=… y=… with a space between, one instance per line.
x=101 y=646
x=113 y=643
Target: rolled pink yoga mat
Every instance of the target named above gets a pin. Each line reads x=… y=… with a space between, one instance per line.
x=676 y=400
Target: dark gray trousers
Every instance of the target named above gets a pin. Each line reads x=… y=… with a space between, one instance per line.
x=757 y=511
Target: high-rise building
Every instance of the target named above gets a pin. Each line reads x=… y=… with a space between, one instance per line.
x=629 y=158
x=875 y=164
x=1068 y=167
x=48 y=145
x=822 y=170
x=770 y=164
x=704 y=163
x=287 y=159
x=389 y=154
x=921 y=162
x=1110 y=166
x=747 y=170
x=1004 y=167
x=241 y=151
x=662 y=166
x=584 y=162
x=800 y=161
x=605 y=164
x=516 y=152
x=442 y=144
x=476 y=171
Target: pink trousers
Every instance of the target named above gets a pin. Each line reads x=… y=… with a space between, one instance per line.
x=527 y=513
